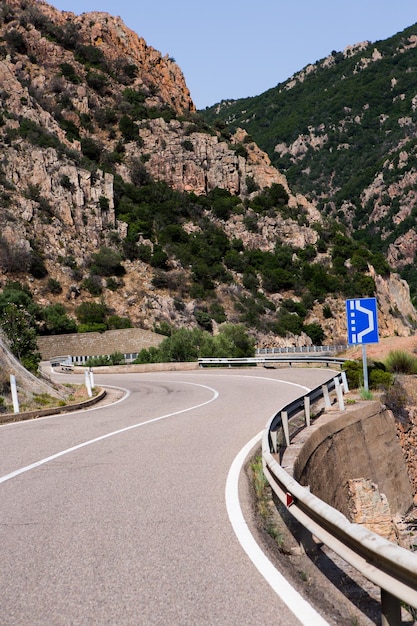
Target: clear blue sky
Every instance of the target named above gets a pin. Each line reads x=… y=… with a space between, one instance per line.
x=236 y=48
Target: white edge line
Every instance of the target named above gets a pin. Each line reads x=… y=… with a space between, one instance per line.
x=294 y=601
x=32 y=466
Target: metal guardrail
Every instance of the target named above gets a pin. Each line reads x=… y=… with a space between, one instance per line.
x=391 y=567
x=270 y=359
x=302 y=349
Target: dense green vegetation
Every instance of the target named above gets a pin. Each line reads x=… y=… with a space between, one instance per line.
x=378 y=376
x=158 y=213
x=22 y=320
x=189 y=345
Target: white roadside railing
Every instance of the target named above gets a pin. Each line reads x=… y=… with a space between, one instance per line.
x=303 y=349
x=391 y=567
x=270 y=359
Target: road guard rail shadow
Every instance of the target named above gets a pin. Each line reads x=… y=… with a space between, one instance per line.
x=391 y=567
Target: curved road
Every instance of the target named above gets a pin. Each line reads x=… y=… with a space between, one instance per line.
x=118 y=516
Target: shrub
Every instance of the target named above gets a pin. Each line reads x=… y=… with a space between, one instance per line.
x=327 y=312
x=150 y=355
x=91 y=56
x=93 y=285
x=243 y=344
x=163 y=328
x=91 y=149
x=377 y=375
x=116 y=358
x=68 y=71
x=188 y=145
x=92 y=327
x=37 y=265
x=315 y=332
x=203 y=319
x=378 y=379
x=97 y=81
x=401 y=362
x=18 y=326
x=54 y=286
x=106 y=262
x=66 y=183
x=144 y=252
x=128 y=128
x=92 y=313
x=159 y=258
x=112 y=284
x=116 y=321
x=354 y=373
x=218 y=313
x=187 y=345
x=16 y=41
x=56 y=321
x=395 y=399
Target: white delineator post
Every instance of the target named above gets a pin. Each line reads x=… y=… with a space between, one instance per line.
x=88 y=383
x=91 y=378
x=14 y=393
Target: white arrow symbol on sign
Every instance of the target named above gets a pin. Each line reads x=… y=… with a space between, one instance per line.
x=371 y=324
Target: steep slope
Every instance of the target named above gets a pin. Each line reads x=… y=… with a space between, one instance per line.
x=29 y=387
x=344 y=131
x=115 y=193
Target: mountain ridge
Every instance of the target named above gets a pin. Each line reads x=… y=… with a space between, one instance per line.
x=343 y=130
x=119 y=199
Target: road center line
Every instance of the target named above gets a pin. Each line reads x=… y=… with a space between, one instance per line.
x=32 y=466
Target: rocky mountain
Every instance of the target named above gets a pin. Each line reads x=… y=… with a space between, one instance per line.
x=115 y=193
x=344 y=132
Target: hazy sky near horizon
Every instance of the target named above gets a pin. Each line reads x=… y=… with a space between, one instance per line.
x=235 y=49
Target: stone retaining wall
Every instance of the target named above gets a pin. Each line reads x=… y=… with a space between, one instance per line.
x=127 y=340
x=360 y=442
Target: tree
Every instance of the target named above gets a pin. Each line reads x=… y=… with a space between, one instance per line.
x=56 y=321
x=107 y=262
x=315 y=332
x=243 y=344
x=18 y=327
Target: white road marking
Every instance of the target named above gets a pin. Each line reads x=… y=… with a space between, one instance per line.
x=32 y=466
x=294 y=601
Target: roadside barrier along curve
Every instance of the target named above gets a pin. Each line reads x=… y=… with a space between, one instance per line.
x=391 y=567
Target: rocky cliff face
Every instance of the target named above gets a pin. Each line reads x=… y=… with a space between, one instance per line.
x=86 y=106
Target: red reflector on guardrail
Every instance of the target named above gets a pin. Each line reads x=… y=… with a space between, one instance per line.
x=289 y=498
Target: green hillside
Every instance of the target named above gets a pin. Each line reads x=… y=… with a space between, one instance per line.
x=337 y=127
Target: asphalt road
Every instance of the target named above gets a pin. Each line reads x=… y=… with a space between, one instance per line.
x=118 y=516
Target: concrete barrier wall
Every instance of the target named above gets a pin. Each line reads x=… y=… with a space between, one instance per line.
x=359 y=443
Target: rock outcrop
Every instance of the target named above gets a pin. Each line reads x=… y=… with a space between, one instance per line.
x=86 y=106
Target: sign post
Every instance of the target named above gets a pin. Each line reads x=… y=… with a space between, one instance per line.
x=362 y=323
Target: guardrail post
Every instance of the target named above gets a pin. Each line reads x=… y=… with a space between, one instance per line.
x=326 y=396
x=390 y=609
x=274 y=439
x=339 y=393
x=345 y=382
x=307 y=409
x=284 y=419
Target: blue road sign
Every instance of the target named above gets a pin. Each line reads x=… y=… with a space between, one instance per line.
x=362 y=320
